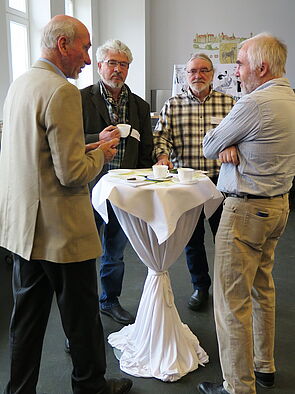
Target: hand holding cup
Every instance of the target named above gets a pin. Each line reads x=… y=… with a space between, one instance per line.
x=124 y=129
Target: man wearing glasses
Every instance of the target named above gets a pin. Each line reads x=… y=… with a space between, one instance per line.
x=106 y=104
x=184 y=121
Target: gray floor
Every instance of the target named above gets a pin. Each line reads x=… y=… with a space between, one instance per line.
x=56 y=364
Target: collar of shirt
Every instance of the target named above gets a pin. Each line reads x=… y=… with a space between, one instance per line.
x=193 y=97
x=58 y=70
x=118 y=110
x=274 y=81
x=108 y=96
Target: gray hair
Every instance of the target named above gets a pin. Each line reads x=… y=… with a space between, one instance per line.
x=200 y=56
x=264 y=47
x=54 y=29
x=113 y=45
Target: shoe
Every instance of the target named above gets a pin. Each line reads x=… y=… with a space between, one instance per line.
x=67 y=346
x=118 y=386
x=117 y=313
x=198 y=299
x=265 y=380
x=211 y=388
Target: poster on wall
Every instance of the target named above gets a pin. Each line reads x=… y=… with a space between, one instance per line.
x=222 y=49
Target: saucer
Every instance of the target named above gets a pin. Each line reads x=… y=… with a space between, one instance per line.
x=176 y=180
x=152 y=178
x=119 y=171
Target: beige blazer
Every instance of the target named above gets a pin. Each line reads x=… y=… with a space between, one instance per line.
x=45 y=209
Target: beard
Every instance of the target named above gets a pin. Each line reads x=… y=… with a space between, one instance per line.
x=199 y=87
x=111 y=83
x=75 y=75
x=251 y=84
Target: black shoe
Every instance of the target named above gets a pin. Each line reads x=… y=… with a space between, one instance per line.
x=117 y=313
x=67 y=346
x=265 y=380
x=198 y=299
x=118 y=386
x=211 y=388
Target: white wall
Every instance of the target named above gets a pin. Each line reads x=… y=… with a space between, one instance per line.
x=38 y=19
x=4 y=74
x=83 y=11
x=126 y=21
x=160 y=32
x=174 y=24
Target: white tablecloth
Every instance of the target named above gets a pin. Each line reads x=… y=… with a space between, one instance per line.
x=158 y=220
x=158 y=204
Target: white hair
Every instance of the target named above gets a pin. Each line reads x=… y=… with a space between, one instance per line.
x=54 y=29
x=202 y=56
x=264 y=47
x=113 y=45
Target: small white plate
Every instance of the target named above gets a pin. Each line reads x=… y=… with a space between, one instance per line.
x=201 y=172
x=119 y=171
x=176 y=180
x=152 y=178
x=134 y=179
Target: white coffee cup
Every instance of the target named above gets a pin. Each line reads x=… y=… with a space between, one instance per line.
x=185 y=174
x=124 y=129
x=160 y=171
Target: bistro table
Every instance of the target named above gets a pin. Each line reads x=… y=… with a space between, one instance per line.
x=158 y=219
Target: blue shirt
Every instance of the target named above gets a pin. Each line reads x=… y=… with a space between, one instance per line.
x=58 y=70
x=262 y=126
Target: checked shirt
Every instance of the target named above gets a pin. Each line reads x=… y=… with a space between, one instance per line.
x=182 y=125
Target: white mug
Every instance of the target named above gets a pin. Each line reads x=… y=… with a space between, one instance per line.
x=124 y=129
x=185 y=174
x=160 y=171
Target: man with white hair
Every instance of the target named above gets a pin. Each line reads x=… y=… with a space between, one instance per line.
x=184 y=121
x=256 y=175
x=46 y=217
x=106 y=104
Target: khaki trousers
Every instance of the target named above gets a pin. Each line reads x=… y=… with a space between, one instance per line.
x=244 y=293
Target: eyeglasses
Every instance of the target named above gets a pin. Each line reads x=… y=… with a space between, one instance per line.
x=115 y=63
x=200 y=71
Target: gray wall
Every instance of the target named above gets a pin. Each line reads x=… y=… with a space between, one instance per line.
x=160 y=32
x=127 y=22
x=4 y=74
x=174 y=24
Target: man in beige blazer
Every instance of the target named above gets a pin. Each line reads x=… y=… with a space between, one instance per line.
x=46 y=218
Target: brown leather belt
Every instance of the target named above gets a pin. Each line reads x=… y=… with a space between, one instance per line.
x=246 y=196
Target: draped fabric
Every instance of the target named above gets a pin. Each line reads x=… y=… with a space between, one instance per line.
x=158 y=344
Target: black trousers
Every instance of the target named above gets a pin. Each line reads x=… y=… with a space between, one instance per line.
x=195 y=251
x=75 y=286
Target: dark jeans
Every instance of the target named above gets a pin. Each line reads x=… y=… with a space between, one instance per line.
x=75 y=286
x=195 y=251
x=114 y=241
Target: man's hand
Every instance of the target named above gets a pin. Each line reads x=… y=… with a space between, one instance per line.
x=109 y=149
x=109 y=133
x=164 y=160
x=230 y=155
x=93 y=145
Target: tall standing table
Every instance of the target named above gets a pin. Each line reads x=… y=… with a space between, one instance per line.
x=158 y=219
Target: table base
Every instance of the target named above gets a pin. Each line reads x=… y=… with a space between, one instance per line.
x=158 y=344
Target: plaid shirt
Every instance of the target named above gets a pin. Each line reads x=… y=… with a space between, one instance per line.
x=118 y=112
x=182 y=125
